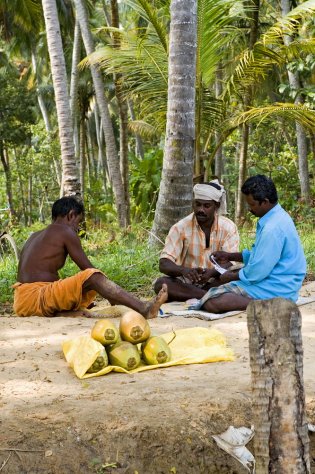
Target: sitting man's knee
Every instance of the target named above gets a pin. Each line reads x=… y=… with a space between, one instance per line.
x=211 y=306
x=158 y=284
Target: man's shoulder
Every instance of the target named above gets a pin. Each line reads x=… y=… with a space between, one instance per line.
x=182 y=223
x=226 y=224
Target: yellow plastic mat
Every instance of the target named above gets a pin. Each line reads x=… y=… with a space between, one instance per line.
x=190 y=346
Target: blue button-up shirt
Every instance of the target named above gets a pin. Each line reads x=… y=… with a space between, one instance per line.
x=276 y=265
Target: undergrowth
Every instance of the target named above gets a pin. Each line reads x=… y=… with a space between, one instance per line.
x=126 y=258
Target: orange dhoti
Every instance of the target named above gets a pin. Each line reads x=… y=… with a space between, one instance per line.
x=47 y=298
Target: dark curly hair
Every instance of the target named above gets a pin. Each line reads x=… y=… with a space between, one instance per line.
x=64 y=205
x=260 y=187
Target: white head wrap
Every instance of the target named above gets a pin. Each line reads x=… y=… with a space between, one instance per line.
x=207 y=192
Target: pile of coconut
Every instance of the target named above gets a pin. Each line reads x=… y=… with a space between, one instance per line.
x=129 y=344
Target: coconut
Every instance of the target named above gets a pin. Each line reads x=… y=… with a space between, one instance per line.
x=100 y=362
x=124 y=354
x=134 y=327
x=105 y=332
x=155 y=351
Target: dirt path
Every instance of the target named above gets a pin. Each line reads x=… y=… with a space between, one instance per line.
x=155 y=422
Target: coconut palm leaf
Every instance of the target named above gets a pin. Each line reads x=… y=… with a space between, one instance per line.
x=143 y=128
x=25 y=14
x=216 y=28
x=253 y=65
x=147 y=11
x=295 y=112
x=289 y=24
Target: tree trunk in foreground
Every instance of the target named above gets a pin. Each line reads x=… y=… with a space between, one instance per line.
x=276 y=358
x=175 y=196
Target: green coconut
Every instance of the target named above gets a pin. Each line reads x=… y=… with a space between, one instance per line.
x=155 y=351
x=124 y=354
x=133 y=327
x=100 y=362
x=105 y=332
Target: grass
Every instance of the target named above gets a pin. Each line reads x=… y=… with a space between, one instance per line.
x=124 y=256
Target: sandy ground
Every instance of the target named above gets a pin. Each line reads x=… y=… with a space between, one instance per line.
x=154 y=422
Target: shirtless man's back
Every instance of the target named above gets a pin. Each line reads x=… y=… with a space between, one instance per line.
x=45 y=253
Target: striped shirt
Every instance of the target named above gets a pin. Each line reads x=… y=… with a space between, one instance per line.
x=186 y=242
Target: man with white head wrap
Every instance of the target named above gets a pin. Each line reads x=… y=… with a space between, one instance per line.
x=185 y=258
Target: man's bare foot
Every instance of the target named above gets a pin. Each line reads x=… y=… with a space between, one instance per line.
x=154 y=305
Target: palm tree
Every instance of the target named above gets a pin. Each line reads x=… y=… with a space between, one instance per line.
x=177 y=174
x=253 y=36
x=111 y=150
x=70 y=174
x=295 y=83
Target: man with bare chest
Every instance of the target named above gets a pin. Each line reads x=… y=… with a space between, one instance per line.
x=185 y=258
x=40 y=292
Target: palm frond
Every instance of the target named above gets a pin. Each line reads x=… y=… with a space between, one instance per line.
x=289 y=24
x=299 y=48
x=300 y=113
x=142 y=64
x=27 y=14
x=143 y=128
x=216 y=28
x=253 y=65
x=147 y=11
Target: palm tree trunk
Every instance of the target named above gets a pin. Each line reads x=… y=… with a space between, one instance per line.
x=74 y=84
x=8 y=179
x=82 y=155
x=295 y=84
x=40 y=99
x=253 y=36
x=218 y=163
x=21 y=186
x=123 y=116
x=139 y=144
x=175 y=196
x=44 y=112
x=111 y=150
x=70 y=173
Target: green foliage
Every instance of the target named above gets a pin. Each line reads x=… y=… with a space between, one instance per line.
x=16 y=110
x=144 y=183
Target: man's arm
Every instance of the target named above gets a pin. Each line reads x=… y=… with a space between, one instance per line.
x=226 y=257
x=75 y=250
x=170 y=268
x=268 y=249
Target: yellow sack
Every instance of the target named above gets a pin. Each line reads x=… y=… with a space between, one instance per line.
x=190 y=346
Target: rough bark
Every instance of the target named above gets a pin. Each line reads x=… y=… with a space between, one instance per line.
x=295 y=84
x=111 y=149
x=74 y=85
x=276 y=359
x=70 y=173
x=175 y=196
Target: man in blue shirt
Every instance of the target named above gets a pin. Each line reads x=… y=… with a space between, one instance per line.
x=274 y=267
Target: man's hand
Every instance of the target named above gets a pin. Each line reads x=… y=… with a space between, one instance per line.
x=228 y=276
x=207 y=274
x=221 y=257
x=193 y=274
x=225 y=257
